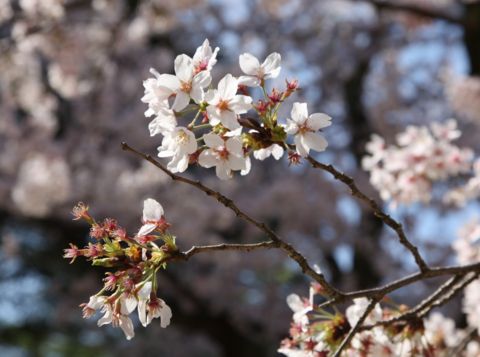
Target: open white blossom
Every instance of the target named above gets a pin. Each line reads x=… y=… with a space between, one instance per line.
x=178 y=143
x=256 y=73
x=152 y=216
x=225 y=155
x=204 y=59
x=225 y=104
x=122 y=319
x=304 y=128
x=155 y=309
x=355 y=311
x=164 y=121
x=184 y=84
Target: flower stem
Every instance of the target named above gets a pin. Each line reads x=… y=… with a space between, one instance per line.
x=200 y=126
x=186 y=111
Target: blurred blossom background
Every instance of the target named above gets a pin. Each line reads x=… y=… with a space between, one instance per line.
x=71 y=77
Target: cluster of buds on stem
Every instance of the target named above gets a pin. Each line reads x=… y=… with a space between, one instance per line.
x=139 y=257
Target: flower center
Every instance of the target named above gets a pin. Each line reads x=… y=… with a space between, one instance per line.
x=181 y=139
x=186 y=86
x=222 y=154
x=200 y=66
x=223 y=105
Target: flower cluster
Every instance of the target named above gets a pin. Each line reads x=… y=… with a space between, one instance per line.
x=134 y=285
x=316 y=332
x=405 y=173
x=225 y=147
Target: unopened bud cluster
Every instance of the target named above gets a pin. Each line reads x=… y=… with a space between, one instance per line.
x=134 y=285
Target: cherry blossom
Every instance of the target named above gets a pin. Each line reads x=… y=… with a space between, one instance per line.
x=156 y=308
x=152 y=217
x=111 y=315
x=406 y=173
x=225 y=104
x=304 y=128
x=226 y=155
x=184 y=84
x=355 y=311
x=256 y=73
x=178 y=143
x=164 y=121
x=204 y=59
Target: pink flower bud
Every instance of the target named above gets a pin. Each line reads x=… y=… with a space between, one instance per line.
x=72 y=253
x=294 y=158
x=81 y=211
x=87 y=311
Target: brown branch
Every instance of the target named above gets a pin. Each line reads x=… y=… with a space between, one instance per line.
x=455 y=351
x=277 y=241
x=412 y=313
x=419 y=11
x=388 y=288
x=454 y=292
x=177 y=256
x=355 y=328
x=389 y=221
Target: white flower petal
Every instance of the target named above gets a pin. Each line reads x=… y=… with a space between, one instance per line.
x=152 y=210
x=249 y=64
x=248 y=163
x=240 y=104
x=165 y=315
x=234 y=145
x=299 y=112
x=168 y=83
x=249 y=81
x=301 y=150
x=292 y=127
x=277 y=151
x=128 y=306
x=184 y=68
x=229 y=120
x=96 y=302
x=213 y=141
x=181 y=101
x=271 y=66
x=227 y=87
x=146 y=228
x=314 y=141
x=223 y=170
x=127 y=326
x=142 y=312
x=207 y=159
x=202 y=79
x=237 y=162
x=318 y=121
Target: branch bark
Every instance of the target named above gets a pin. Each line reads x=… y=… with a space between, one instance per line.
x=277 y=241
x=389 y=221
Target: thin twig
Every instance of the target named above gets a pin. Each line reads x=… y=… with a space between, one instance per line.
x=389 y=221
x=355 y=328
x=177 y=256
x=388 y=288
x=277 y=241
x=412 y=313
x=455 y=351
x=454 y=292
x=419 y=11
